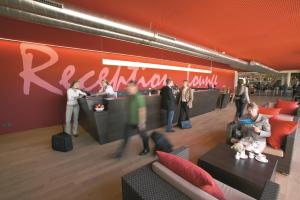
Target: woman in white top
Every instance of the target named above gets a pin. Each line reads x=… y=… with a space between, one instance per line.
x=241 y=98
x=106 y=89
x=73 y=94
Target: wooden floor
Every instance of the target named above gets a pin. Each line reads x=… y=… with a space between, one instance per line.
x=29 y=169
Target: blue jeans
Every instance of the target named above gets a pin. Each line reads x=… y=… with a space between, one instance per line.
x=170 y=116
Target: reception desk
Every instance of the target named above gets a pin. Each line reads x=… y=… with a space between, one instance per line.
x=224 y=99
x=108 y=125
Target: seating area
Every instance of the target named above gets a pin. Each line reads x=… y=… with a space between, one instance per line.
x=155 y=181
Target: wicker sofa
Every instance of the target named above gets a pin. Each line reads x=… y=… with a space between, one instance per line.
x=284 y=155
x=146 y=184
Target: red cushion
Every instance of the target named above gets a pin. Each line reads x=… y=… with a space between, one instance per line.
x=287 y=107
x=279 y=130
x=269 y=111
x=191 y=172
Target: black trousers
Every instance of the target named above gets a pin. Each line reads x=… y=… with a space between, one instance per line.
x=129 y=130
x=240 y=106
x=184 y=112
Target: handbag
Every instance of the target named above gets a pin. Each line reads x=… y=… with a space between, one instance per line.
x=186 y=124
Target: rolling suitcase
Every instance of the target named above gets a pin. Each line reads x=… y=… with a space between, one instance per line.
x=62 y=142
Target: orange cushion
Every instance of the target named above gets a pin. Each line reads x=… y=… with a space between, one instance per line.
x=191 y=173
x=279 y=130
x=287 y=107
x=269 y=111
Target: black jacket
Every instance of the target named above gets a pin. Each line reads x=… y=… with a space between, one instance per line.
x=167 y=99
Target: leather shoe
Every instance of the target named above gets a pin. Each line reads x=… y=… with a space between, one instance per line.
x=144 y=152
x=170 y=131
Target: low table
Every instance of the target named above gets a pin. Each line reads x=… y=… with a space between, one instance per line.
x=248 y=176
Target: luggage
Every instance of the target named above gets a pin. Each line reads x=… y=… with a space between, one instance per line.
x=186 y=124
x=62 y=142
x=161 y=143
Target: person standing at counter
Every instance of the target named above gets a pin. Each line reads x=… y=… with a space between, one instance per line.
x=106 y=90
x=241 y=98
x=136 y=119
x=73 y=93
x=168 y=103
x=186 y=102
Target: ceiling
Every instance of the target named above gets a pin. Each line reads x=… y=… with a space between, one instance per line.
x=267 y=31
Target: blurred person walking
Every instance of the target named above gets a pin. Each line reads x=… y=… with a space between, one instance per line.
x=136 y=119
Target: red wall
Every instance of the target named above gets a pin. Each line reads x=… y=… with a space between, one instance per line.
x=34 y=79
x=24 y=31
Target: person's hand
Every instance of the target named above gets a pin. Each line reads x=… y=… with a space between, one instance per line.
x=142 y=126
x=256 y=129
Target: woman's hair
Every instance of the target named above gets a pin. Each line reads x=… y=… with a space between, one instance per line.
x=168 y=81
x=132 y=82
x=73 y=83
x=252 y=105
x=106 y=81
x=240 y=81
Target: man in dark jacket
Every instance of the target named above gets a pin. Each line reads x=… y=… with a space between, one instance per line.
x=168 y=103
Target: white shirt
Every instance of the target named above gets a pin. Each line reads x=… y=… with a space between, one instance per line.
x=73 y=95
x=109 y=90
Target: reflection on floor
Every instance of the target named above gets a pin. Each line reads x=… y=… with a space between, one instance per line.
x=29 y=169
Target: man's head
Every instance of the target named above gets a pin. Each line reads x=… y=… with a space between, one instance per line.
x=185 y=83
x=132 y=88
x=252 y=109
x=169 y=82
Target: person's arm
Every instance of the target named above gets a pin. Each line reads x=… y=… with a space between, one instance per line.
x=266 y=129
x=142 y=113
x=192 y=95
x=81 y=92
x=100 y=92
x=142 y=117
x=247 y=95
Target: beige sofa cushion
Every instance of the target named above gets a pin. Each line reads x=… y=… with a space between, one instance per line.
x=275 y=152
x=181 y=184
x=285 y=117
x=231 y=193
x=192 y=191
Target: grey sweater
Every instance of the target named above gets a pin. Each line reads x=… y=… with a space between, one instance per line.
x=263 y=124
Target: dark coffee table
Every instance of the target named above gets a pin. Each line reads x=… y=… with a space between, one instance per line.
x=248 y=176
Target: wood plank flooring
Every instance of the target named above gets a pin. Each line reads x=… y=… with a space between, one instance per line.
x=30 y=170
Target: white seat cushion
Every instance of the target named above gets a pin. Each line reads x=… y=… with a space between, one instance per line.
x=231 y=193
x=181 y=184
x=274 y=152
x=285 y=117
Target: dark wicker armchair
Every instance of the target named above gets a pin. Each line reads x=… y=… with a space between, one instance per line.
x=143 y=183
x=284 y=163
